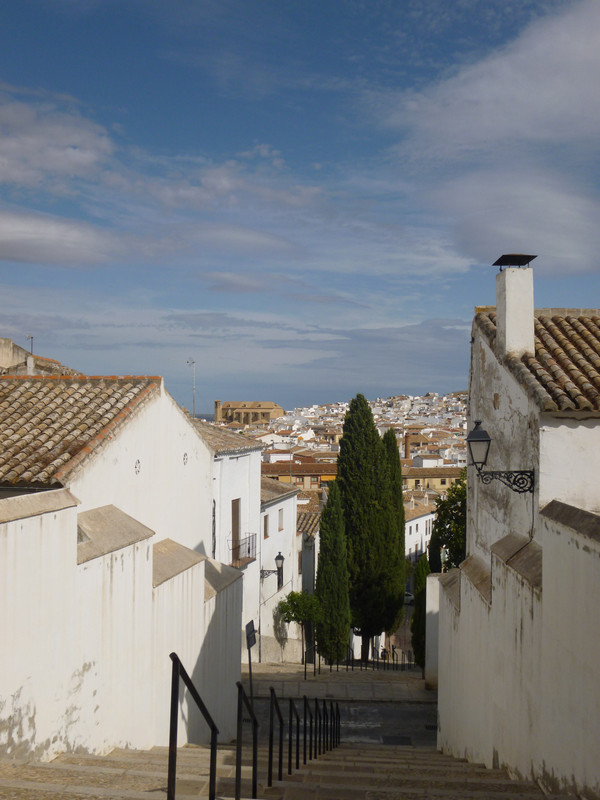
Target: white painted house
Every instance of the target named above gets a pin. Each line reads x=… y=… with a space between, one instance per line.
x=255 y=520
x=105 y=568
x=519 y=629
x=278 y=641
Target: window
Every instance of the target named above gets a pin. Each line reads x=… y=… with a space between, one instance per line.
x=266 y=526
x=281 y=519
x=443 y=481
x=300 y=562
x=235 y=524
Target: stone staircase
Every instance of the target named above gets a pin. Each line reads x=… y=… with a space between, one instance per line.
x=351 y=772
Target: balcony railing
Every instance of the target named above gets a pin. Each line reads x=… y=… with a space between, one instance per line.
x=244 y=551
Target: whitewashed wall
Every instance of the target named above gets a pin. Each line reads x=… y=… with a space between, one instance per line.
x=179 y=626
x=570 y=461
x=236 y=477
x=512 y=420
x=219 y=666
x=158 y=470
x=570 y=659
x=86 y=646
x=38 y=614
x=279 y=642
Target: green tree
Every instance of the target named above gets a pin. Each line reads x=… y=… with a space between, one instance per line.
x=449 y=527
x=370 y=520
x=333 y=628
x=397 y=565
x=300 y=607
x=417 y=623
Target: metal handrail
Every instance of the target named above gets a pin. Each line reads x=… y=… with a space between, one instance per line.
x=274 y=706
x=308 y=712
x=325 y=728
x=293 y=713
x=243 y=700
x=178 y=672
x=316 y=653
x=318 y=728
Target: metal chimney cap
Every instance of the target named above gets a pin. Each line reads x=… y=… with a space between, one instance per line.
x=514 y=260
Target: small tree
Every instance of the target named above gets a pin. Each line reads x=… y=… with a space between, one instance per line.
x=300 y=607
x=449 y=527
x=333 y=628
x=417 y=624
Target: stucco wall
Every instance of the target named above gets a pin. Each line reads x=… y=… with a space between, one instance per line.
x=278 y=641
x=570 y=659
x=158 y=470
x=511 y=419
x=218 y=666
x=38 y=620
x=86 y=647
x=236 y=477
x=179 y=626
x=570 y=461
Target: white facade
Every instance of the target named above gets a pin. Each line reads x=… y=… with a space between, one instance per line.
x=88 y=623
x=278 y=641
x=519 y=636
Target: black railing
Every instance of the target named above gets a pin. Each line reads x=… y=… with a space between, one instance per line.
x=318 y=729
x=274 y=707
x=243 y=701
x=321 y=731
x=293 y=714
x=312 y=650
x=177 y=673
x=308 y=716
x=243 y=551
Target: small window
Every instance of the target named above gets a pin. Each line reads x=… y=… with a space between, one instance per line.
x=266 y=526
x=443 y=481
x=281 y=519
x=300 y=562
x=417 y=528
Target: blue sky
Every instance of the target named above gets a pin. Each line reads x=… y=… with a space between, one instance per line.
x=303 y=197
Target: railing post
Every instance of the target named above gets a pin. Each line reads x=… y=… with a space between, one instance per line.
x=271 y=720
x=290 y=737
x=173 y=730
x=238 y=748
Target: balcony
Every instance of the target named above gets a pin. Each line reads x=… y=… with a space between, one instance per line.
x=243 y=551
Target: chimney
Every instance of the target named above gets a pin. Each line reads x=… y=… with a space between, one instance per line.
x=514 y=311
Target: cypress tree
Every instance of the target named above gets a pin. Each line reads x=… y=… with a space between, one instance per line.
x=417 y=624
x=333 y=627
x=396 y=577
x=369 y=517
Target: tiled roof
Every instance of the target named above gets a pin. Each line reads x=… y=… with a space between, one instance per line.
x=564 y=373
x=308 y=522
x=48 y=425
x=285 y=468
x=271 y=489
x=222 y=440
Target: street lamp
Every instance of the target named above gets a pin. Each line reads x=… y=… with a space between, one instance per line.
x=191 y=363
x=478 y=442
x=279 y=559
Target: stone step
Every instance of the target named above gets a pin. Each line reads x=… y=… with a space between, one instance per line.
x=351 y=772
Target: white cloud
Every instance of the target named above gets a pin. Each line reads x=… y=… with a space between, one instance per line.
x=39 y=142
x=529 y=210
x=541 y=88
x=41 y=238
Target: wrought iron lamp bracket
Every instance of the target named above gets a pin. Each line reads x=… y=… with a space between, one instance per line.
x=518 y=480
x=264 y=573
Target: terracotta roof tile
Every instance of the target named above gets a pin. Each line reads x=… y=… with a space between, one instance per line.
x=222 y=440
x=48 y=425
x=564 y=373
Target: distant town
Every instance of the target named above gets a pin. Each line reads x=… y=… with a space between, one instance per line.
x=300 y=447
